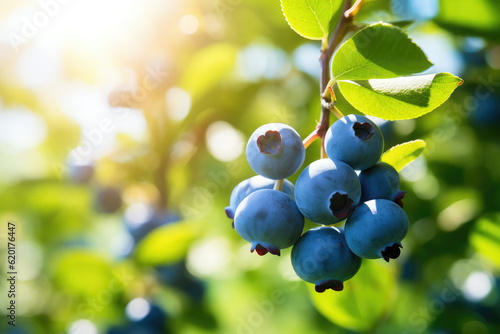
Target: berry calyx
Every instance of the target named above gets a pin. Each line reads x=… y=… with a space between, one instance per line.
x=340 y=204
x=263 y=250
x=363 y=131
x=398 y=197
x=329 y=284
x=391 y=252
x=270 y=143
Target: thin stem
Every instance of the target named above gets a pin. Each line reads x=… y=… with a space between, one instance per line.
x=326 y=54
x=279 y=184
x=337 y=112
x=310 y=139
x=327 y=93
x=323 y=151
x=351 y=12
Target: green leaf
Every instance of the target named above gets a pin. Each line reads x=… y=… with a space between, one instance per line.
x=402 y=24
x=479 y=17
x=378 y=51
x=400 y=98
x=365 y=298
x=166 y=244
x=485 y=238
x=401 y=155
x=83 y=273
x=310 y=18
x=207 y=68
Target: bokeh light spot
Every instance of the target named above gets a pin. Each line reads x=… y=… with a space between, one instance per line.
x=224 y=142
x=138 y=214
x=21 y=129
x=137 y=309
x=189 y=24
x=178 y=103
x=83 y=326
x=209 y=258
x=477 y=286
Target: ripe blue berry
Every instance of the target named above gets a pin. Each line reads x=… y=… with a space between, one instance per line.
x=81 y=173
x=269 y=220
x=108 y=200
x=248 y=186
x=321 y=256
x=275 y=151
x=327 y=191
x=355 y=140
x=380 y=182
x=375 y=229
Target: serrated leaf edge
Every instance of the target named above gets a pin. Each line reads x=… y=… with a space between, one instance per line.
x=406 y=143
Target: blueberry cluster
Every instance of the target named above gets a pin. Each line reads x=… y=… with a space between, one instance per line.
x=352 y=185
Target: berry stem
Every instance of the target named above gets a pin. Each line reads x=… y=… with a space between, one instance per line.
x=337 y=112
x=279 y=185
x=310 y=139
x=327 y=102
x=351 y=12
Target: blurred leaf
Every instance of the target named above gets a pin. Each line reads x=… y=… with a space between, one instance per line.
x=400 y=98
x=401 y=155
x=485 y=238
x=166 y=244
x=83 y=273
x=480 y=17
x=207 y=68
x=310 y=18
x=57 y=206
x=379 y=51
x=364 y=300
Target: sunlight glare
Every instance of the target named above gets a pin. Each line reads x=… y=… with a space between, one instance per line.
x=189 y=24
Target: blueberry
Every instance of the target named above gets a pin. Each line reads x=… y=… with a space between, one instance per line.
x=245 y=188
x=487 y=112
x=375 y=229
x=108 y=200
x=275 y=151
x=355 y=140
x=81 y=173
x=321 y=256
x=381 y=181
x=269 y=220
x=327 y=191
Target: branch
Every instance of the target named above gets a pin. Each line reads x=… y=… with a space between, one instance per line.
x=341 y=28
x=346 y=17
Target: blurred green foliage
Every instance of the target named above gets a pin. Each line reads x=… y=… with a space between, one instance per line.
x=241 y=67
